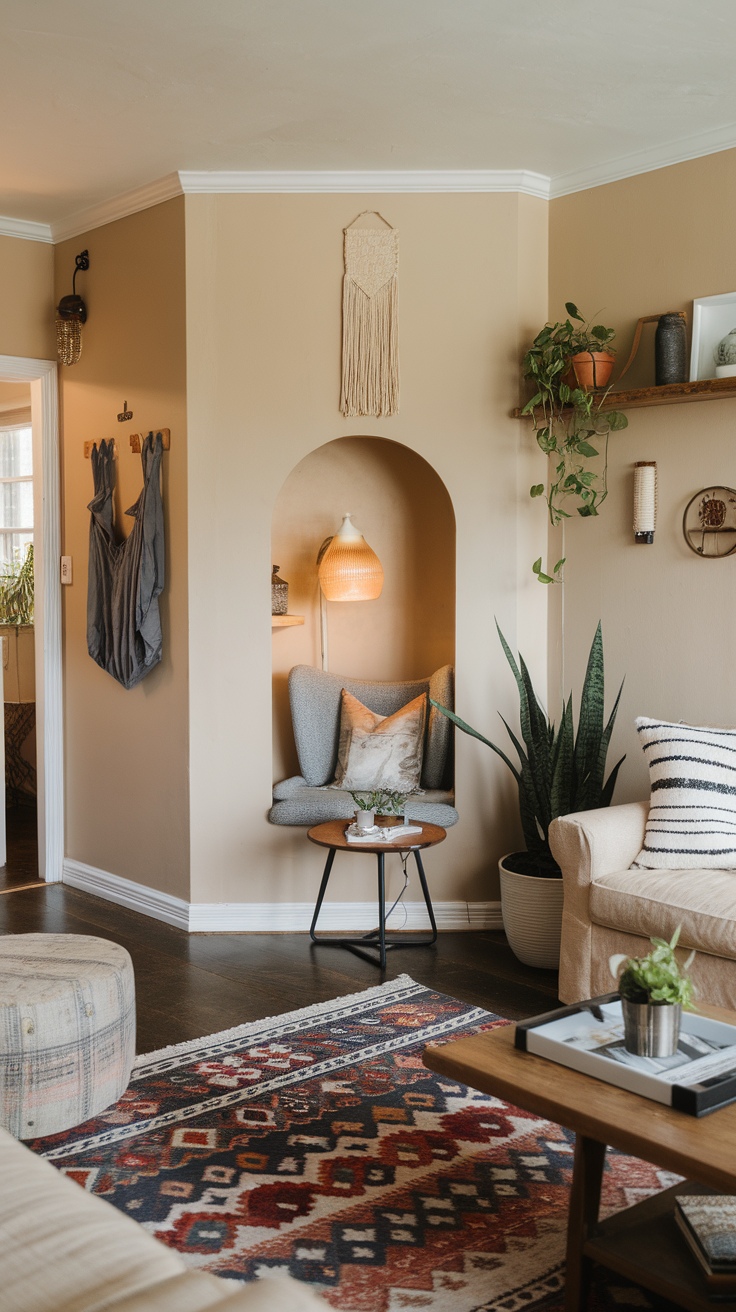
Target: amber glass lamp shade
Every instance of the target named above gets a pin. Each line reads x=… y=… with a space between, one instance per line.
x=350 y=570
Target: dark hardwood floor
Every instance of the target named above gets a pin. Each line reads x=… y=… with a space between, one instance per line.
x=188 y=985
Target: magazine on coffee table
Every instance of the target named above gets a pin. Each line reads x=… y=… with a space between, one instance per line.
x=589 y=1037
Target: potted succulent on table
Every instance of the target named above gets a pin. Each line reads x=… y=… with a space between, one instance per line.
x=654 y=989
x=382 y=806
x=559 y=772
x=568 y=366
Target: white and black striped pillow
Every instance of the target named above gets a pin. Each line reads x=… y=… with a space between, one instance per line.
x=692 y=812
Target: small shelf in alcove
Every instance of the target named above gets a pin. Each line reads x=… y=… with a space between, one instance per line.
x=285 y=621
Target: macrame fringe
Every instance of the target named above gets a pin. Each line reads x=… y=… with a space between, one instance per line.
x=370 y=350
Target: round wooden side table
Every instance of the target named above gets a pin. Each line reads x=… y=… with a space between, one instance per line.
x=332 y=835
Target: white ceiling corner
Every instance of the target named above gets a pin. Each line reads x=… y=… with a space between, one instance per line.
x=644 y=161
x=119 y=207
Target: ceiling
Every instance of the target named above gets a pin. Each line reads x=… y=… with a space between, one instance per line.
x=100 y=97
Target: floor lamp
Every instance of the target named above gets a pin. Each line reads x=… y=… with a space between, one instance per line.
x=348 y=570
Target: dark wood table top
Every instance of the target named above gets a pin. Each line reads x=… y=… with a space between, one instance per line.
x=332 y=834
x=702 y=1149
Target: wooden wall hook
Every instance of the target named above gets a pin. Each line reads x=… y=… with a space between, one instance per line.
x=88 y=448
x=137 y=438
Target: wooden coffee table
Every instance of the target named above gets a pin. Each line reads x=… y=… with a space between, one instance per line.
x=642 y=1242
x=331 y=834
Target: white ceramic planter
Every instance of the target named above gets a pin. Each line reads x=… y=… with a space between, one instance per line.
x=532 y=917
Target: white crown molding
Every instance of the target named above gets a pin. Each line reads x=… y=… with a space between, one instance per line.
x=644 y=161
x=407 y=181
x=131 y=202
x=270 y=917
x=25 y=228
x=376 y=181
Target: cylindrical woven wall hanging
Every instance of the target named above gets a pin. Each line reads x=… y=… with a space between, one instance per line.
x=370 y=322
x=645 y=500
x=71 y=313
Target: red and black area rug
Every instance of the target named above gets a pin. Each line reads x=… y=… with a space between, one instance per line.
x=316 y=1143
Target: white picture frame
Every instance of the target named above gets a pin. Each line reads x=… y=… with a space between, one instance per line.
x=713 y=317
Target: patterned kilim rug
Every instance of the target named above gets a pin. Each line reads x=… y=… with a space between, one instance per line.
x=316 y=1143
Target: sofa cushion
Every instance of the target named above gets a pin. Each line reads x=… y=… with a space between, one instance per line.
x=315 y=697
x=692 y=816
x=654 y=902
x=380 y=751
x=63 y=1249
x=312 y=806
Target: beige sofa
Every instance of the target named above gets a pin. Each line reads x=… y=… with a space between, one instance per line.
x=610 y=908
x=64 y=1250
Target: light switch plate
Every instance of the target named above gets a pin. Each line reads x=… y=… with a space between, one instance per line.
x=66 y=569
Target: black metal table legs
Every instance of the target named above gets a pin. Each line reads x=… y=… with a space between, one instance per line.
x=377 y=940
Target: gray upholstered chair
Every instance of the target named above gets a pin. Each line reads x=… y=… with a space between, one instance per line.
x=315 y=713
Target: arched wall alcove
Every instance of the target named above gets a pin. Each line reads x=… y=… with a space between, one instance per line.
x=404 y=510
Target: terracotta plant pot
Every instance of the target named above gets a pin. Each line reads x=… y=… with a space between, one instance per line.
x=590 y=369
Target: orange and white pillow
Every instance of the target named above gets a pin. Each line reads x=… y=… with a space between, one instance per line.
x=380 y=751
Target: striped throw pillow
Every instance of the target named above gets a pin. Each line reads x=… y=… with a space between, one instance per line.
x=692 y=811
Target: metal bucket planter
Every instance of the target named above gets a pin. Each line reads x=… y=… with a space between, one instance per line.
x=651 y=1029
x=532 y=916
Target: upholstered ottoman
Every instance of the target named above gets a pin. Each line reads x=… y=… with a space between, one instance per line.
x=67 y=1030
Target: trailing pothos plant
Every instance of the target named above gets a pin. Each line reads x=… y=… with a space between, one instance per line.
x=567 y=420
x=559 y=771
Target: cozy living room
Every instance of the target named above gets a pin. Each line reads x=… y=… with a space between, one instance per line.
x=382 y=957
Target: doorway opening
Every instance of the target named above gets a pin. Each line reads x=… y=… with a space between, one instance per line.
x=17 y=597
x=30 y=618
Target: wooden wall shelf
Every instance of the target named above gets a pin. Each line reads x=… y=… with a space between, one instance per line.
x=285 y=621
x=708 y=389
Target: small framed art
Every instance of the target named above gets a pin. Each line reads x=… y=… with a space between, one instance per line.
x=714 y=318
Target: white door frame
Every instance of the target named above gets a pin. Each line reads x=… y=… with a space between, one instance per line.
x=42 y=376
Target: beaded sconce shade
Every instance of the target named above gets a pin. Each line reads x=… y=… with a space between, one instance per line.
x=350 y=570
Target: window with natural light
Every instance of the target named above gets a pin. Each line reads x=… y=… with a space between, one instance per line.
x=16 y=493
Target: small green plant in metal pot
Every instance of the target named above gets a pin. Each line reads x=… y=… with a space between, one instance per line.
x=654 y=990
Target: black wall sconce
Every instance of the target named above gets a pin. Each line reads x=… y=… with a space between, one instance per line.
x=71 y=313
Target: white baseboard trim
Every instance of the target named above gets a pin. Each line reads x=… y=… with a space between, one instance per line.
x=296 y=917
x=271 y=917
x=126 y=893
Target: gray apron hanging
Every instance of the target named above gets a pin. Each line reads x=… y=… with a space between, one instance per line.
x=126 y=578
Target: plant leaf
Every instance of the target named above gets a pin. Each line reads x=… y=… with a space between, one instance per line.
x=572 y=310
x=537 y=490
x=616 y=421
x=590 y=729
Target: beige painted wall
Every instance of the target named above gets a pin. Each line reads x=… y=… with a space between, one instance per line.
x=127 y=803
x=642 y=246
x=27 y=280
x=14 y=396
x=264 y=276
x=405 y=514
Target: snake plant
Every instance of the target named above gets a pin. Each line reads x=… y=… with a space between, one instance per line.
x=559 y=771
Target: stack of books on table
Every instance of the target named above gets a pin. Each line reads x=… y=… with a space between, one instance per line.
x=708 y=1222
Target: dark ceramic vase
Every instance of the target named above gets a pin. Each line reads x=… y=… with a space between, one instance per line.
x=670 y=350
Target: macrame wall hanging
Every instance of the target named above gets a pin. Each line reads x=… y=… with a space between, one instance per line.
x=370 y=319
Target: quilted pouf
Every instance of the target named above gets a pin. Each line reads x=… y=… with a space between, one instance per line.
x=67 y=1030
